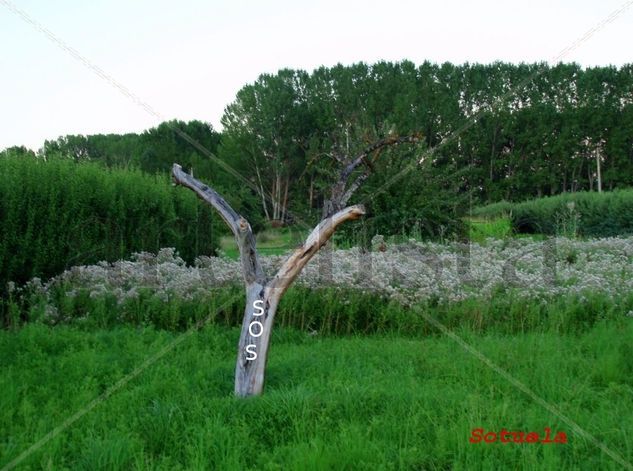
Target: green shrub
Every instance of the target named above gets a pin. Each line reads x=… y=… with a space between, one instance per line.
x=494 y=210
x=586 y=214
x=55 y=214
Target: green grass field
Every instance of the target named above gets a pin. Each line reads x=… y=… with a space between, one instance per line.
x=271 y=241
x=482 y=228
x=380 y=401
x=355 y=380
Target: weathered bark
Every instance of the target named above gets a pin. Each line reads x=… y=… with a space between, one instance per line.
x=317 y=238
x=285 y=201
x=240 y=227
x=598 y=171
x=252 y=352
x=262 y=295
x=341 y=193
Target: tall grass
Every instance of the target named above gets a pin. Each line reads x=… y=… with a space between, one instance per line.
x=482 y=229
x=327 y=311
x=380 y=402
x=59 y=213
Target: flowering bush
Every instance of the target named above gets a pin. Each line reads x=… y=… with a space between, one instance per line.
x=408 y=273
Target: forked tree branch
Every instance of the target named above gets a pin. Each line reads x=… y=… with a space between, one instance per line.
x=376 y=146
x=261 y=294
x=353 y=187
x=317 y=238
x=341 y=192
x=242 y=231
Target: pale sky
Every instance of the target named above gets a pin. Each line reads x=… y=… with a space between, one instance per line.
x=187 y=59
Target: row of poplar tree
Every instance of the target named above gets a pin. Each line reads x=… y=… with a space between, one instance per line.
x=487 y=132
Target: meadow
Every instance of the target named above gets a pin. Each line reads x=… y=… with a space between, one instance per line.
x=360 y=375
x=384 y=401
x=385 y=355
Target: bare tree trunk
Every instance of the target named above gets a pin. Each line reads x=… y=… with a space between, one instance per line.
x=252 y=352
x=311 y=191
x=262 y=294
x=341 y=192
x=284 y=204
x=261 y=192
x=599 y=175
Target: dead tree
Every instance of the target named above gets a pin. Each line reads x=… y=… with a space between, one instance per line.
x=342 y=190
x=263 y=294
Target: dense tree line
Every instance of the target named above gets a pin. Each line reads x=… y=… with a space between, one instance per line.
x=488 y=132
x=506 y=131
x=151 y=151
